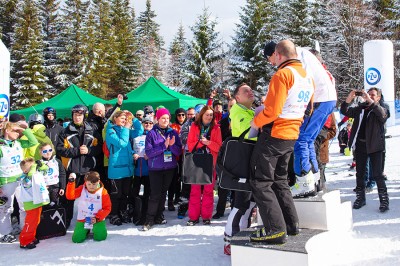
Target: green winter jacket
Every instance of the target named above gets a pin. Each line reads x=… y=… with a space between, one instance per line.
x=25 y=143
x=240 y=117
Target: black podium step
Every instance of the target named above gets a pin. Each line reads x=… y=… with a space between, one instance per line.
x=294 y=243
x=293 y=252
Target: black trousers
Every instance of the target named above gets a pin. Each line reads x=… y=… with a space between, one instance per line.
x=159 y=184
x=175 y=187
x=137 y=182
x=376 y=163
x=268 y=181
x=222 y=198
x=119 y=195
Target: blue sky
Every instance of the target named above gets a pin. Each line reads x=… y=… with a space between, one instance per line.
x=171 y=12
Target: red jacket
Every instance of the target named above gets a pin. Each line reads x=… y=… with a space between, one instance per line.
x=74 y=193
x=215 y=140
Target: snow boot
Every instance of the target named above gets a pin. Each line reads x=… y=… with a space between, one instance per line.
x=383 y=199
x=171 y=206
x=159 y=219
x=115 y=220
x=3 y=200
x=182 y=209
x=227 y=244
x=125 y=217
x=360 y=198
x=304 y=186
x=268 y=237
x=192 y=222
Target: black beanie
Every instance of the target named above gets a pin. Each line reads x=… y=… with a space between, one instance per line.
x=269 y=48
x=179 y=111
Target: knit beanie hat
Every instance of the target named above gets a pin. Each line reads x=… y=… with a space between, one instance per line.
x=269 y=48
x=161 y=112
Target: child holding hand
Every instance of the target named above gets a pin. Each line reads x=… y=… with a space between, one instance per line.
x=94 y=205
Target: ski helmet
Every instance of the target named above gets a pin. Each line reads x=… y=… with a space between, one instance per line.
x=49 y=110
x=81 y=109
x=36 y=118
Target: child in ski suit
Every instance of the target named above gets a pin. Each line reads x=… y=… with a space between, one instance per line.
x=55 y=176
x=94 y=205
x=33 y=211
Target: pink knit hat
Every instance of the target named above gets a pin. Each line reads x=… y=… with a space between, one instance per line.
x=161 y=112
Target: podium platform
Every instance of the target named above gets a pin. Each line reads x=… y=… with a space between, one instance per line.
x=293 y=252
x=322 y=213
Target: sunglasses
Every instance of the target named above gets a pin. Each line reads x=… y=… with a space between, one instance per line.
x=147 y=123
x=46 y=151
x=139 y=115
x=180 y=114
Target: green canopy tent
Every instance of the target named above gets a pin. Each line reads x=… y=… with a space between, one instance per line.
x=154 y=93
x=63 y=102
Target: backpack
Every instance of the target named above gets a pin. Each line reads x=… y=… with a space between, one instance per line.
x=233 y=162
x=106 y=151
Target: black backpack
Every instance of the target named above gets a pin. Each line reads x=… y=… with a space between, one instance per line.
x=233 y=162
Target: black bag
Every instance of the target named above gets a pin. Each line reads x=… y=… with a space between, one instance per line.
x=233 y=162
x=197 y=167
x=52 y=222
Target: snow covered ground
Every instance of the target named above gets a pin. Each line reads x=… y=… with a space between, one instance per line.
x=374 y=240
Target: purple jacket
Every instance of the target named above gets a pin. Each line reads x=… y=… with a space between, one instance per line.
x=155 y=149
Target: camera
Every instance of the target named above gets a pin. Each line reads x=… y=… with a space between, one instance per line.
x=125 y=97
x=359 y=93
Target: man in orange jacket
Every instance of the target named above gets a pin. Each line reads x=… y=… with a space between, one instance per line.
x=289 y=94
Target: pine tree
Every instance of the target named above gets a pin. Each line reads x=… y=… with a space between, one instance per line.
x=7 y=21
x=247 y=63
x=177 y=51
x=150 y=45
x=204 y=51
x=126 y=71
x=345 y=59
x=29 y=84
x=297 y=21
x=49 y=17
x=71 y=40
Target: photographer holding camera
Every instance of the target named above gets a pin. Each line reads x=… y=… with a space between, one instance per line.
x=368 y=136
x=216 y=103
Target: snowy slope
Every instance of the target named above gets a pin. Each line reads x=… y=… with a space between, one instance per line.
x=374 y=240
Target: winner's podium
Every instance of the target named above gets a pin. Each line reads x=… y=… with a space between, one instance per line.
x=324 y=212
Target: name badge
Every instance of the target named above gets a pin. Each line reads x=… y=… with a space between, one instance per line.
x=167 y=156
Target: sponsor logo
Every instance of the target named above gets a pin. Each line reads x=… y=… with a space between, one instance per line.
x=372 y=76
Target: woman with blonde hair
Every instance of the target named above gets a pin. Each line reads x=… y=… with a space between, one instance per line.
x=119 y=135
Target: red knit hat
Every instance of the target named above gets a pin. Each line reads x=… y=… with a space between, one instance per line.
x=161 y=112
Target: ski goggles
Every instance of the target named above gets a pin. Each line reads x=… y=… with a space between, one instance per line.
x=46 y=151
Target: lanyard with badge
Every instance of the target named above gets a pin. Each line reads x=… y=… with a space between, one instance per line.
x=167 y=153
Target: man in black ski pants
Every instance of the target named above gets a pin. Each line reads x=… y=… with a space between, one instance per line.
x=368 y=137
x=289 y=94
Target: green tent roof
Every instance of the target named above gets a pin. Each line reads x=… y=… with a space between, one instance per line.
x=63 y=102
x=154 y=93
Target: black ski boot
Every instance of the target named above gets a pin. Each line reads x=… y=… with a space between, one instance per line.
x=182 y=209
x=360 y=198
x=383 y=199
x=125 y=217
